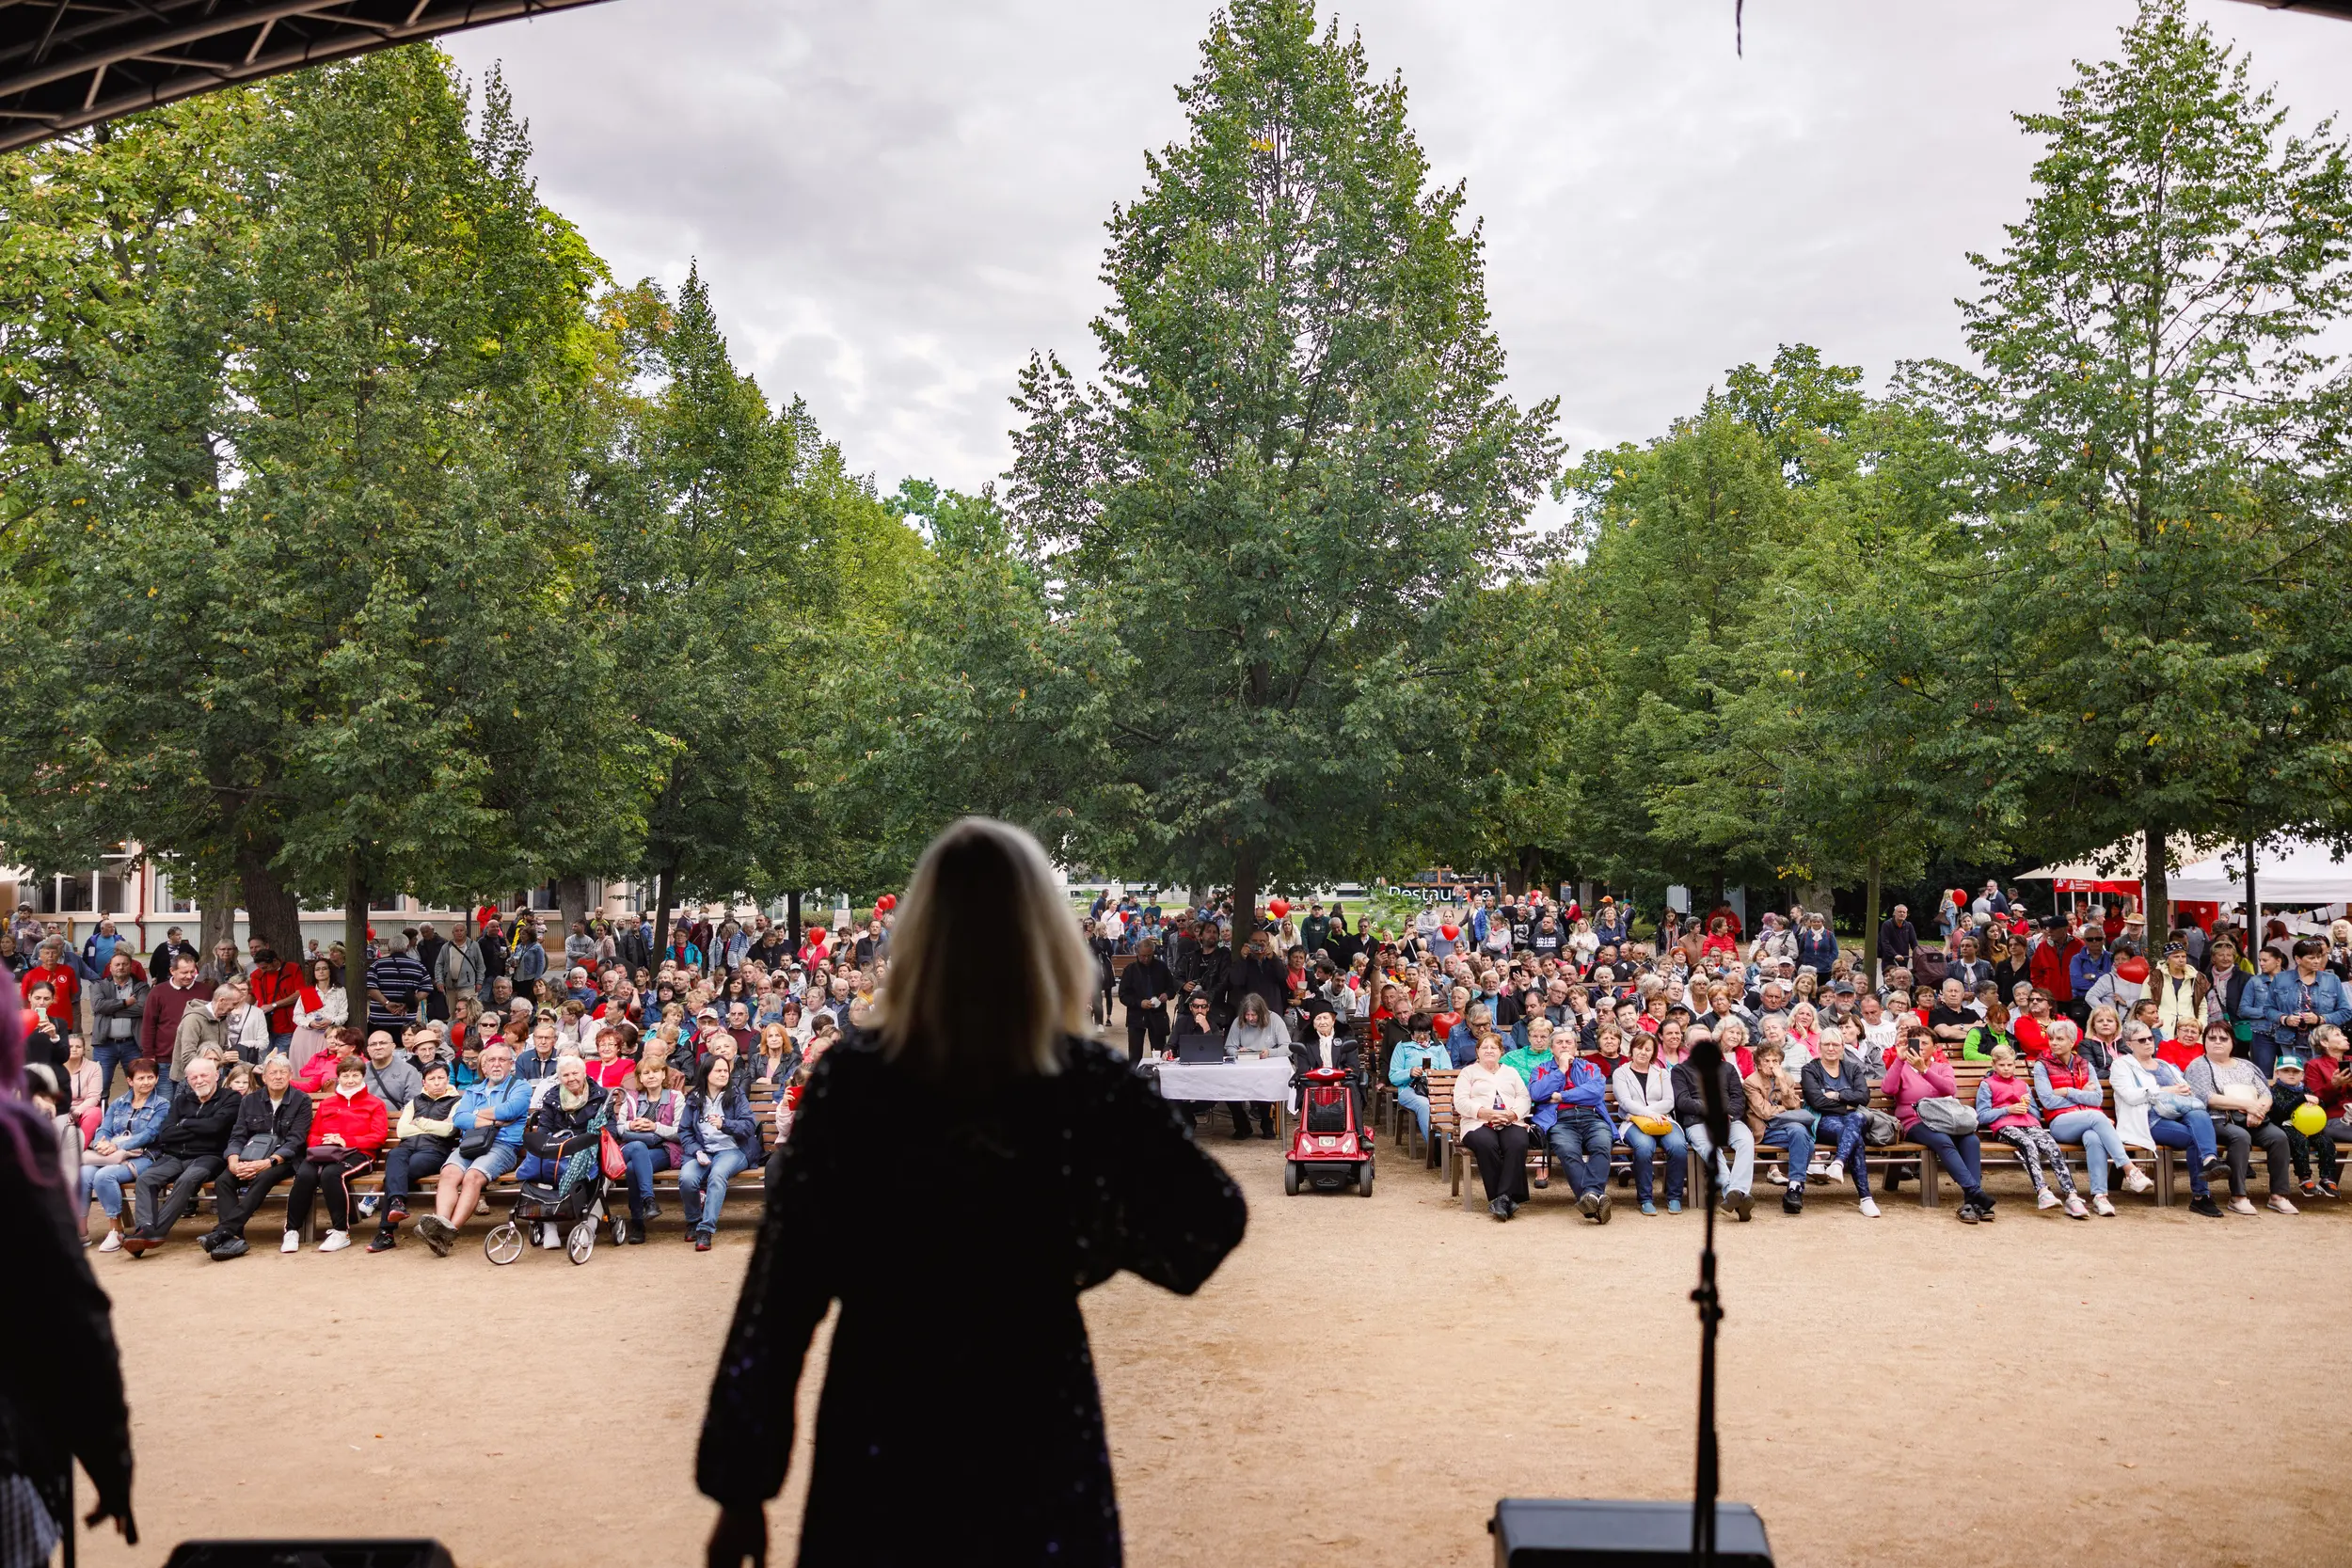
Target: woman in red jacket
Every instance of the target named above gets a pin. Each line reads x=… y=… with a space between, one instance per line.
x=346 y=1131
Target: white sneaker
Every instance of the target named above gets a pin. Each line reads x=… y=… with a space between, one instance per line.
x=335 y=1241
x=2136 y=1180
x=1817 y=1171
x=112 y=1242
x=2075 y=1208
x=1837 y=1171
x=2242 y=1206
x=2045 y=1200
x=2279 y=1205
x=2100 y=1205
x=293 y=1242
x=1870 y=1208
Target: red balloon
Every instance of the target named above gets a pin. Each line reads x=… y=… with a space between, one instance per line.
x=1277 y=908
x=2134 y=969
x=1449 y=932
x=886 y=903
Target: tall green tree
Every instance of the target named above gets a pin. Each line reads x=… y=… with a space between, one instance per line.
x=2158 y=409
x=323 y=637
x=731 y=546
x=1295 y=474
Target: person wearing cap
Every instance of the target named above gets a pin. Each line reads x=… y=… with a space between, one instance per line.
x=2046 y=964
x=2089 y=964
x=2288 y=1091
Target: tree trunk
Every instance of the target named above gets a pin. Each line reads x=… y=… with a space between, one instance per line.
x=793 y=919
x=665 y=882
x=1246 y=864
x=216 y=920
x=571 y=896
x=1870 y=921
x=2154 y=890
x=2253 y=910
x=270 y=905
x=355 y=936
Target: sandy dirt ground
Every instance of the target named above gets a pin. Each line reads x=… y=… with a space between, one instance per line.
x=1356 y=1387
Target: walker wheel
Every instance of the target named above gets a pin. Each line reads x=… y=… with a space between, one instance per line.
x=505 y=1244
x=581 y=1243
x=1290 y=1177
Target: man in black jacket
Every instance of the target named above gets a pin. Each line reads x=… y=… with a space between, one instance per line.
x=1260 y=971
x=270 y=1135
x=1206 y=967
x=1690 y=1110
x=1897 y=942
x=1145 y=988
x=190 y=1150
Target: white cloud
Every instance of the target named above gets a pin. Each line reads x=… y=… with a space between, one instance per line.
x=895 y=202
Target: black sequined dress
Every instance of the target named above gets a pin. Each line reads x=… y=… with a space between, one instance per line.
x=960 y=1421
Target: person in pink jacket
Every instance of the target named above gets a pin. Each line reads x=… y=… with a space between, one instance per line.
x=2005 y=1110
x=1920 y=1072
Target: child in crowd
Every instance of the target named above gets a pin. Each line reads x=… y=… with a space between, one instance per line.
x=2005 y=1110
x=2288 y=1091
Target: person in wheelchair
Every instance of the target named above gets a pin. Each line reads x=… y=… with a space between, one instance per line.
x=1324 y=1046
x=570 y=1118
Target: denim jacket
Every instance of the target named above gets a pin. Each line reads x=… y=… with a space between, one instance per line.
x=134 y=1129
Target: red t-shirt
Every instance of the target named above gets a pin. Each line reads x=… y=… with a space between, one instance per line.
x=64 y=987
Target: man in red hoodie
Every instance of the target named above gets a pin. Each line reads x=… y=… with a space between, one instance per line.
x=275 y=987
x=159 y=1021
x=2046 y=965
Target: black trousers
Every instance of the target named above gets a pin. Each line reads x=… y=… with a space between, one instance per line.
x=1142 y=1023
x=2238 y=1143
x=1501 y=1156
x=327 y=1179
x=167 y=1190
x=1242 y=1110
x=239 y=1199
x=403 y=1165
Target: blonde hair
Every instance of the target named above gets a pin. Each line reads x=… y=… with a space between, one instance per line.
x=989 y=971
x=2005 y=1053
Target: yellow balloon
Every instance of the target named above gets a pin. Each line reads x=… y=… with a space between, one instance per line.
x=2308 y=1119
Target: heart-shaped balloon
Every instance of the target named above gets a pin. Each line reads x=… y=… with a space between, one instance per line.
x=1449 y=932
x=2134 y=969
x=1277 y=908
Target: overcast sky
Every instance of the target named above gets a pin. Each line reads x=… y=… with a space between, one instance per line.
x=894 y=201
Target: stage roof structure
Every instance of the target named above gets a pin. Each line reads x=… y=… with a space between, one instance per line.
x=65 y=63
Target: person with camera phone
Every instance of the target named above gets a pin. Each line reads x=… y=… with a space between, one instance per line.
x=2296 y=1002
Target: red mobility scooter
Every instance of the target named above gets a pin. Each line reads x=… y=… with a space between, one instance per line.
x=1330 y=1148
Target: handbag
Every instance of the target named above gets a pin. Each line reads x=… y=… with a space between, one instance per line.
x=1947 y=1115
x=1880 y=1129
x=477 y=1141
x=616 y=1163
x=1656 y=1127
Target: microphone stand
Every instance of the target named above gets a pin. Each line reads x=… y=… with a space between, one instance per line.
x=1706 y=1060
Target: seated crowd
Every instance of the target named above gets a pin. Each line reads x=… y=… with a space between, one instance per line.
x=1564 y=1034
x=256 y=1081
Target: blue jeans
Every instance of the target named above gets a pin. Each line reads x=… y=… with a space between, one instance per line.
x=106 y=1183
x=2103 y=1145
x=1417 y=1103
x=1737 y=1174
x=645 y=1159
x=1646 y=1149
x=2181 y=1135
x=1843 y=1130
x=694 y=1179
x=1797 y=1140
x=110 y=1054
x=1963 y=1157
x=1580 y=1141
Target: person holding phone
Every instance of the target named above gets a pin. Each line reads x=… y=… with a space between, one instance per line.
x=1920 y=1072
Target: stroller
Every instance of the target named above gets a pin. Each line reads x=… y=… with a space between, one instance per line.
x=573 y=1204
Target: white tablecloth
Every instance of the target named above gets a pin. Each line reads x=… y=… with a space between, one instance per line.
x=1269 y=1079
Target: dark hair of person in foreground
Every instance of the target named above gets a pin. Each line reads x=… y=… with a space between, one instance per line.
x=955 y=1180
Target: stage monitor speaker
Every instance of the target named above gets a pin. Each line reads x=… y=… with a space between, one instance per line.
x=356 y=1553
x=1555 y=1532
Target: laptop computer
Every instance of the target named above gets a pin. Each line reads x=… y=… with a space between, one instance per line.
x=1199 y=1048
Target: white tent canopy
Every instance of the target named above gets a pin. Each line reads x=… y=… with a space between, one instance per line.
x=2127 y=862
x=2288 y=874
